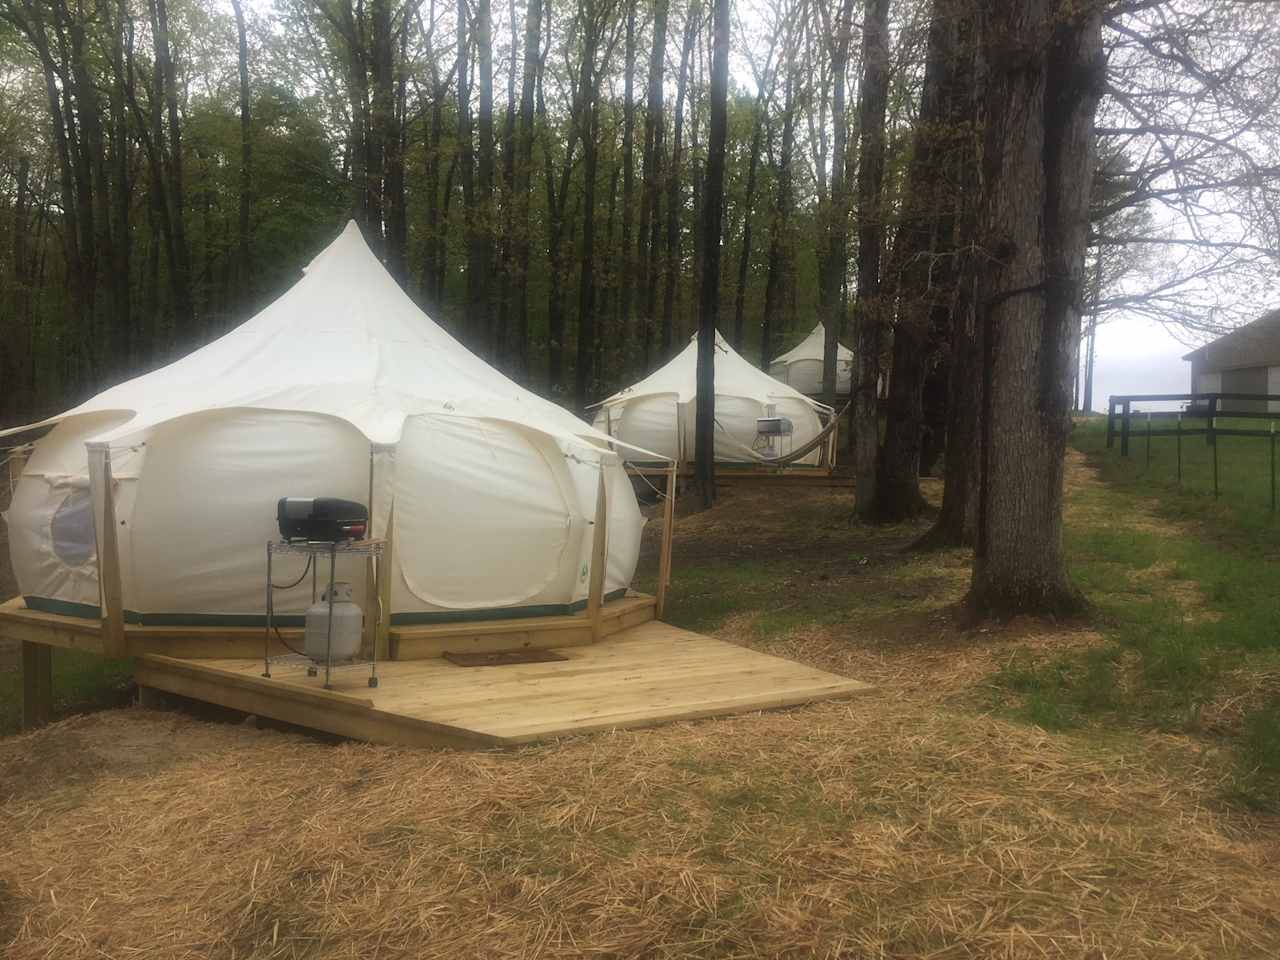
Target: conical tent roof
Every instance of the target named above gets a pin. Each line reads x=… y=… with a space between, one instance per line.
x=344 y=341
x=813 y=347
x=735 y=377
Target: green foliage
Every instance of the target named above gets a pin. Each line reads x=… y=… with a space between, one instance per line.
x=1187 y=596
x=81 y=682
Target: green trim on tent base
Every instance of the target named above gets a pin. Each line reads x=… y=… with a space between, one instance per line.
x=91 y=611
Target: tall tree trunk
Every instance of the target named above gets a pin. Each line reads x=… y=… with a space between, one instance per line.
x=381 y=121
x=835 y=252
x=653 y=135
x=467 y=169
x=744 y=258
x=1095 y=298
x=626 y=260
x=429 y=284
x=709 y=312
x=180 y=281
x=778 y=271
x=924 y=262
x=506 y=251
x=16 y=359
x=588 y=92
x=675 y=205
x=480 y=269
x=394 y=212
x=1046 y=76
x=869 y=309
x=523 y=184
x=244 y=262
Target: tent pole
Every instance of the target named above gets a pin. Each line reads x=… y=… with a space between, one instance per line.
x=599 y=558
x=112 y=594
x=668 y=530
x=369 y=639
x=383 y=640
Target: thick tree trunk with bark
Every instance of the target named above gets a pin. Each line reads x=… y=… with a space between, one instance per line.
x=713 y=211
x=1046 y=76
x=588 y=92
x=869 y=309
x=924 y=260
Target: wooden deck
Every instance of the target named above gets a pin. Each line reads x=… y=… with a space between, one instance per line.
x=624 y=669
x=641 y=676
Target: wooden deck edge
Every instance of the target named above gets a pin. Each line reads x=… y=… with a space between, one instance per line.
x=722 y=708
x=545 y=633
x=317 y=709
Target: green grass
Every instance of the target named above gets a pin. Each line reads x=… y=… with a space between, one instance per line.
x=81 y=681
x=1186 y=593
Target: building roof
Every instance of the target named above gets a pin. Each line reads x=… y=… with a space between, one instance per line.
x=1256 y=344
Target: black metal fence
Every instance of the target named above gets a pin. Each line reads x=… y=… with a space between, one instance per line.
x=1207 y=407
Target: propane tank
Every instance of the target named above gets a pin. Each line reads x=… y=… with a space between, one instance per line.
x=347 y=623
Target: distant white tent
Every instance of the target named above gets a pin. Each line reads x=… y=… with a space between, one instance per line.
x=658 y=413
x=341 y=387
x=801 y=366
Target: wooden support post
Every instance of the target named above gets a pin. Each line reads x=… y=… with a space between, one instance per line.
x=1215 y=468
x=599 y=557
x=668 y=530
x=1148 y=464
x=383 y=638
x=37 y=685
x=1273 y=466
x=1178 y=429
x=1125 y=409
x=1210 y=436
x=1111 y=422
x=109 y=584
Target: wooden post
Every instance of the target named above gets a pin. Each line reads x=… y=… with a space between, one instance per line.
x=1178 y=429
x=1273 y=466
x=112 y=593
x=1126 y=407
x=383 y=639
x=1210 y=437
x=599 y=557
x=668 y=530
x=1148 y=464
x=37 y=685
x=1111 y=422
x=1215 y=468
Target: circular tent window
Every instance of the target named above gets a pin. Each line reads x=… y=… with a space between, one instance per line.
x=72 y=529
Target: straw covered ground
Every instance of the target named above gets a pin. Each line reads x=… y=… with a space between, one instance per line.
x=919 y=821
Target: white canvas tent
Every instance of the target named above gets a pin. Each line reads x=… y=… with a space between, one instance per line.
x=341 y=387
x=801 y=366
x=658 y=413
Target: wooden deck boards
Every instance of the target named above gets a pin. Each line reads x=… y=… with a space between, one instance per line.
x=644 y=675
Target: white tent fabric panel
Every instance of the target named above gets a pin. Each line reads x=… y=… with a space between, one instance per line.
x=52 y=540
x=801 y=366
x=654 y=413
x=482 y=518
x=230 y=468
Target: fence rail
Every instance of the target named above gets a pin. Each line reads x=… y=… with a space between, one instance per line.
x=1207 y=410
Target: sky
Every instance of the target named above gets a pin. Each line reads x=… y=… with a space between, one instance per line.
x=1135 y=355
